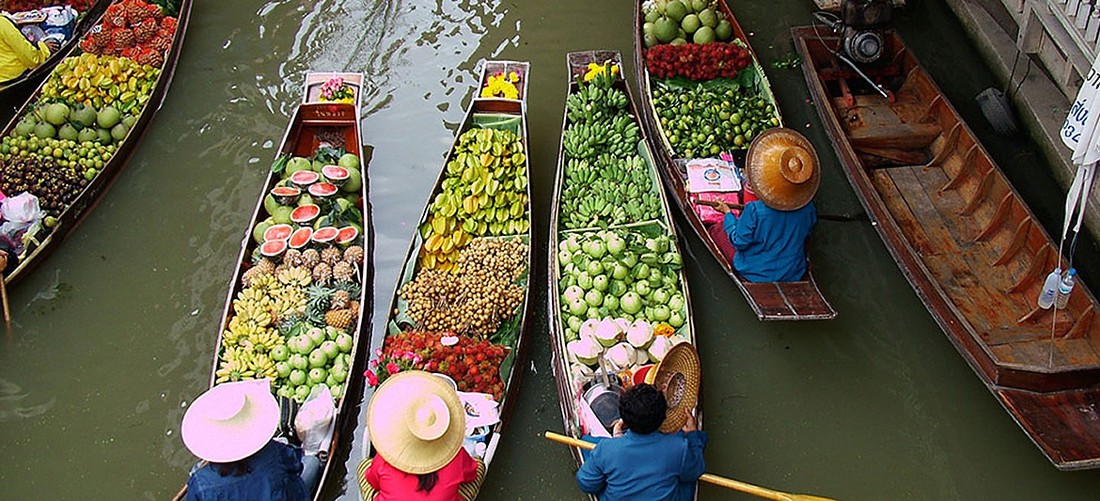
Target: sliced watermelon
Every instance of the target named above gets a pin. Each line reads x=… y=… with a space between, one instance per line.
x=304 y=178
x=305 y=214
x=347 y=235
x=325 y=235
x=335 y=174
x=273 y=248
x=300 y=237
x=285 y=195
x=278 y=232
x=323 y=190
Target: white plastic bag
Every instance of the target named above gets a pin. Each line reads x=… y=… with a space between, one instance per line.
x=19 y=213
x=315 y=421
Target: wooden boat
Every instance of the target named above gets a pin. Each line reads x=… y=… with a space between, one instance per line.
x=568 y=250
x=320 y=131
x=966 y=241
x=46 y=238
x=84 y=22
x=801 y=300
x=459 y=259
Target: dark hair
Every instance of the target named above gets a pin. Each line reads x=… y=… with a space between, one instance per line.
x=642 y=408
x=426 y=482
x=234 y=469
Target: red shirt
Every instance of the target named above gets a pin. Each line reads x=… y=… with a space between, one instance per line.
x=395 y=485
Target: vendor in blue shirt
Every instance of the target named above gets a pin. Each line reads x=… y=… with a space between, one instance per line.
x=641 y=463
x=769 y=237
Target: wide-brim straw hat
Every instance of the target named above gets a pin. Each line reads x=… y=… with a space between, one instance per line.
x=783 y=168
x=231 y=421
x=416 y=422
x=677 y=376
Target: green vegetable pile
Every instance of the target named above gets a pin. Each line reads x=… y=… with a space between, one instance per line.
x=704 y=120
x=614 y=190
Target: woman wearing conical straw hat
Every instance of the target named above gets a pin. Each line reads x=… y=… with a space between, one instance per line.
x=767 y=241
x=417 y=425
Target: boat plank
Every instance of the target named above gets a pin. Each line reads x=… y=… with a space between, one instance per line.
x=904 y=218
x=1062 y=424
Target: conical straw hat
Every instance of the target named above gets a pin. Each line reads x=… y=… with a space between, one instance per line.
x=416 y=422
x=677 y=376
x=783 y=169
x=231 y=421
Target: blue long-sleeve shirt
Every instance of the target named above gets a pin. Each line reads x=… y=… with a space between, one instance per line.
x=771 y=244
x=651 y=467
x=273 y=476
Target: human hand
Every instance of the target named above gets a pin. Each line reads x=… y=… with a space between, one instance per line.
x=52 y=45
x=3 y=260
x=617 y=429
x=690 y=425
x=722 y=207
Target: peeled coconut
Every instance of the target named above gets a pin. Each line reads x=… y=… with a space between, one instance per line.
x=585 y=350
x=640 y=333
x=658 y=348
x=621 y=355
x=641 y=357
x=580 y=372
x=588 y=329
x=608 y=332
x=624 y=324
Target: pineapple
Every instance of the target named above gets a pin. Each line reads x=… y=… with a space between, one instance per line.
x=319 y=299
x=266 y=264
x=331 y=256
x=262 y=267
x=101 y=37
x=343 y=272
x=341 y=319
x=292 y=257
x=310 y=258
x=322 y=273
x=340 y=300
x=354 y=255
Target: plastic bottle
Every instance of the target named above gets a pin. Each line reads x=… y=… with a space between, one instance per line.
x=1065 y=287
x=1050 y=289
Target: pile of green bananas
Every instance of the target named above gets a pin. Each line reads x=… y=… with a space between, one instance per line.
x=484 y=193
x=611 y=190
x=702 y=121
x=599 y=122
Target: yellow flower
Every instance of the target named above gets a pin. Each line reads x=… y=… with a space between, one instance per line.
x=595 y=70
x=501 y=85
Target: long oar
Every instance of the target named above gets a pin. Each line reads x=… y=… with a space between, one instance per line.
x=707 y=477
x=7 y=309
x=823 y=217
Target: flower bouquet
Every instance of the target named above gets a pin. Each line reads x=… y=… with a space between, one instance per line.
x=336 y=90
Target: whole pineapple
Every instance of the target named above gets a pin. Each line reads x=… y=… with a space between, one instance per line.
x=322 y=273
x=341 y=319
x=331 y=256
x=354 y=255
x=292 y=257
x=146 y=30
x=343 y=272
x=310 y=258
x=340 y=300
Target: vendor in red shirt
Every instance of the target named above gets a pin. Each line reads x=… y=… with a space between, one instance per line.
x=417 y=425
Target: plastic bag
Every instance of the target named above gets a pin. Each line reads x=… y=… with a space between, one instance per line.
x=19 y=214
x=315 y=421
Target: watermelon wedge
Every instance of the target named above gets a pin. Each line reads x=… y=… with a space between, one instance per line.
x=347 y=236
x=300 y=237
x=305 y=214
x=278 y=232
x=273 y=248
x=286 y=195
x=335 y=174
x=304 y=178
x=325 y=235
x=322 y=190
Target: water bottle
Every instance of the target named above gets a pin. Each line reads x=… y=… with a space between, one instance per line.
x=1064 y=288
x=1050 y=289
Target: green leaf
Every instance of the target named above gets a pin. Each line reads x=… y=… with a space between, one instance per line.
x=279 y=165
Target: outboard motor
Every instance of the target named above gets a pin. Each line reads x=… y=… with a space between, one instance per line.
x=863 y=22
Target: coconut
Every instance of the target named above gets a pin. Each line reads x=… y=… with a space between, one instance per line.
x=608 y=332
x=584 y=350
x=640 y=333
x=621 y=355
x=580 y=372
x=624 y=324
x=641 y=357
x=658 y=348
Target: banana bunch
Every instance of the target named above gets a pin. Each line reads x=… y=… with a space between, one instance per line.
x=586 y=141
x=100 y=81
x=594 y=103
x=623 y=141
x=609 y=191
x=262 y=340
x=242 y=363
x=295 y=276
x=483 y=193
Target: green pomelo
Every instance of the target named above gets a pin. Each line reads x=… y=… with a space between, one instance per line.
x=57 y=113
x=119 y=131
x=129 y=121
x=647 y=28
x=25 y=127
x=354 y=182
x=305 y=199
x=724 y=30
x=317 y=165
x=690 y=23
x=348 y=161
x=87 y=134
x=270 y=204
x=708 y=18
x=665 y=29
x=652 y=16
x=258 y=231
x=85 y=116
x=104 y=136
x=678 y=41
x=296 y=164
x=676 y=10
x=108 y=117
x=649 y=39
x=67 y=132
x=698 y=5
x=704 y=35
x=281 y=215
x=44 y=131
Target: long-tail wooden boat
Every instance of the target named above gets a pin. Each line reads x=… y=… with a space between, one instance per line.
x=461 y=306
x=966 y=241
x=84 y=23
x=636 y=253
x=92 y=179
x=800 y=300
x=302 y=284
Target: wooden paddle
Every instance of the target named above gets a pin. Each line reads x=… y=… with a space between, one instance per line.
x=707 y=477
x=7 y=309
x=823 y=217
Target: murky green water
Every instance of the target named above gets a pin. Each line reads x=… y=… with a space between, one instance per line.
x=114 y=332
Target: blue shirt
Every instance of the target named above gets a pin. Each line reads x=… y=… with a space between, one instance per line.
x=274 y=475
x=651 y=467
x=771 y=244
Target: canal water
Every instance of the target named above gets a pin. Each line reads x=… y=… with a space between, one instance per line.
x=113 y=334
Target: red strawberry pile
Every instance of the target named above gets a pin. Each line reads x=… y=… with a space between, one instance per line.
x=132 y=29
x=697 y=62
x=473 y=363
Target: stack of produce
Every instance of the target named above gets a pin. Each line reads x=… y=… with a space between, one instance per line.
x=702 y=121
x=606 y=182
x=15 y=6
x=624 y=345
x=133 y=29
x=484 y=194
x=296 y=313
x=677 y=22
x=473 y=364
